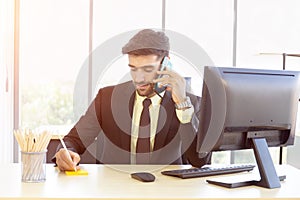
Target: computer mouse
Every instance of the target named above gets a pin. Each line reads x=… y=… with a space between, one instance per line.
x=143 y=176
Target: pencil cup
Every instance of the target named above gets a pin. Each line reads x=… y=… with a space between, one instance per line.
x=33 y=166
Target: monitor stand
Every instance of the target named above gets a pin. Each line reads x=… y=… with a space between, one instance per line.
x=269 y=178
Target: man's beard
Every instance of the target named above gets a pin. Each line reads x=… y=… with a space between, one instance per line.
x=147 y=91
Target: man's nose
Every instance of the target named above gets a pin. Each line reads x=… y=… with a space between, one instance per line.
x=139 y=76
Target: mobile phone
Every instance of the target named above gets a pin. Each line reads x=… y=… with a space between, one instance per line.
x=165 y=64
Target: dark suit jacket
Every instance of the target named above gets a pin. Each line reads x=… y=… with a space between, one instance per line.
x=109 y=119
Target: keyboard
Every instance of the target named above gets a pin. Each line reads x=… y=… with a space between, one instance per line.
x=208 y=171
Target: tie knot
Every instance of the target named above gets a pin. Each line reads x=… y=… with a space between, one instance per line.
x=146 y=103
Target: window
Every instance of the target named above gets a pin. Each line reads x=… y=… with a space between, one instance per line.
x=210 y=25
x=6 y=79
x=53 y=45
x=107 y=25
x=56 y=37
x=272 y=27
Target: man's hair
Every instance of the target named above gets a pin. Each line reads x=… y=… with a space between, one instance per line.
x=147 y=42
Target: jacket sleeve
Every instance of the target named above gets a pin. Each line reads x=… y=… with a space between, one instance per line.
x=190 y=137
x=85 y=131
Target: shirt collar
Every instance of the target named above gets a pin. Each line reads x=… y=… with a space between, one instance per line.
x=155 y=100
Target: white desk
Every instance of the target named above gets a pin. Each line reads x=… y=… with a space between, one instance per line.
x=114 y=182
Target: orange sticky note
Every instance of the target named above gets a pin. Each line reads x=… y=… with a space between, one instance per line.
x=79 y=172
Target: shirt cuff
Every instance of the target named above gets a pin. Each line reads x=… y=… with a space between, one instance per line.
x=185 y=116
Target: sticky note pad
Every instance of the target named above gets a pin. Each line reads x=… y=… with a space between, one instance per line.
x=79 y=172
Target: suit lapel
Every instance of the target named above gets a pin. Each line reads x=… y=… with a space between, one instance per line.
x=164 y=121
x=123 y=98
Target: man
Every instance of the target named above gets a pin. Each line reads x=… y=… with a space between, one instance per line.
x=163 y=132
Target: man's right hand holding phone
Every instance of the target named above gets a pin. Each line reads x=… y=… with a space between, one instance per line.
x=173 y=82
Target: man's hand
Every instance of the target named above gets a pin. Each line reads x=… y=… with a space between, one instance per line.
x=64 y=162
x=174 y=83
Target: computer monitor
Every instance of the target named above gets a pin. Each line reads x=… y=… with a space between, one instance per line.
x=249 y=109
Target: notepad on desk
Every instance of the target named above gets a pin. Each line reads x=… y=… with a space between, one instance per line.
x=79 y=172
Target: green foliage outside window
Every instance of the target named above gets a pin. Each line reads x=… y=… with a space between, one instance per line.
x=46 y=105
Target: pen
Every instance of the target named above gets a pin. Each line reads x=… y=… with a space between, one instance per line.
x=64 y=146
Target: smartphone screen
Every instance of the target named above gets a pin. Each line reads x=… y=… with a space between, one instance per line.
x=166 y=64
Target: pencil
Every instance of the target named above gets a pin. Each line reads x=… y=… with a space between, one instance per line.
x=64 y=146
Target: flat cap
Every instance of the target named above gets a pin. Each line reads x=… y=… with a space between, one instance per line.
x=147 y=39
